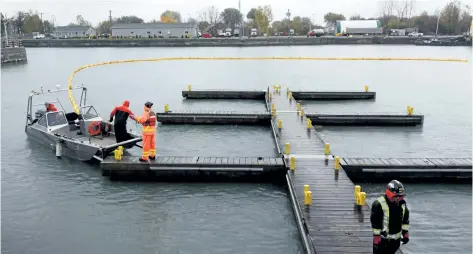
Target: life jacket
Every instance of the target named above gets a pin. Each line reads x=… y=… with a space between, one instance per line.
x=149 y=125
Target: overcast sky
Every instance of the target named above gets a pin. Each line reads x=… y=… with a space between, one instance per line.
x=65 y=11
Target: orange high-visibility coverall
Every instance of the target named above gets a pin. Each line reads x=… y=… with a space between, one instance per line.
x=148 y=120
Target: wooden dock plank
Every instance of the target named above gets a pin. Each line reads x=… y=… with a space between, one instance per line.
x=414 y=163
x=331 y=212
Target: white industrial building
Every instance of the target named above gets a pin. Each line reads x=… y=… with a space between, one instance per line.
x=165 y=30
x=358 y=27
x=74 y=31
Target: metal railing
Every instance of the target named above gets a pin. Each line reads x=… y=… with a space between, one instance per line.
x=12 y=43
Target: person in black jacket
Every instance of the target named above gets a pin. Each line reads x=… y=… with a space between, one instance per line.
x=121 y=114
x=390 y=220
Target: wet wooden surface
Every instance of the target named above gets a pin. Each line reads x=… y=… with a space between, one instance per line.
x=334 y=226
x=407 y=163
x=178 y=161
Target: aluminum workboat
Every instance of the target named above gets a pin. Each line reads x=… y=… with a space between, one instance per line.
x=68 y=133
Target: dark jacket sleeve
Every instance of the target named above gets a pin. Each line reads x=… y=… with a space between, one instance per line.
x=405 y=220
x=376 y=218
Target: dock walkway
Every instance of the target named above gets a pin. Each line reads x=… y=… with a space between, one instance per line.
x=330 y=224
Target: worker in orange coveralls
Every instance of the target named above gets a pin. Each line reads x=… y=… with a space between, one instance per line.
x=50 y=107
x=148 y=120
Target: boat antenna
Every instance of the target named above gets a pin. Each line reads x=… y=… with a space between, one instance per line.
x=61 y=105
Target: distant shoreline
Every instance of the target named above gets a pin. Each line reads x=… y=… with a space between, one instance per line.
x=228 y=42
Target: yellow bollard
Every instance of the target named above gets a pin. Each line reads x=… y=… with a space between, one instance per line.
x=279 y=124
x=357 y=192
x=308 y=198
x=361 y=198
x=118 y=153
x=306 y=187
x=366 y=88
x=290 y=95
x=327 y=149
x=189 y=87
x=309 y=124
x=274 y=112
x=270 y=96
x=302 y=112
x=287 y=91
x=337 y=163
x=410 y=110
x=166 y=108
x=292 y=165
x=288 y=148
x=272 y=106
x=298 y=106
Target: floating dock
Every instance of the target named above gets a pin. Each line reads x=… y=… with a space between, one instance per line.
x=214 y=117
x=316 y=95
x=326 y=218
x=408 y=169
x=174 y=168
x=224 y=94
x=365 y=119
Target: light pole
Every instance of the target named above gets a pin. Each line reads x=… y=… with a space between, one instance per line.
x=438 y=20
x=288 y=14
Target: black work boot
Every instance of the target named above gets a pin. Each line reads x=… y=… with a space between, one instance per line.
x=142 y=160
x=152 y=158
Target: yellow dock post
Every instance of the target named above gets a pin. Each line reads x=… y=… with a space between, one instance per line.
x=361 y=198
x=302 y=112
x=189 y=87
x=166 y=108
x=273 y=112
x=118 y=153
x=357 y=193
x=273 y=107
x=410 y=110
x=288 y=149
x=307 y=195
x=337 y=163
x=309 y=124
x=327 y=148
x=287 y=91
x=366 y=88
x=270 y=95
x=292 y=165
x=290 y=96
x=279 y=124
x=308 y=198
x=298 y=107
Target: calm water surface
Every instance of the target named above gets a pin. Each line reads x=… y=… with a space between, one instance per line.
x=52 y=206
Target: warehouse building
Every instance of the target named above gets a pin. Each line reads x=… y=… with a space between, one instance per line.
x=165 y=30
x=358 y=27
x=74 y=31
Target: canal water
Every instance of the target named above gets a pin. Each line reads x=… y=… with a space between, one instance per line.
x=58 y=206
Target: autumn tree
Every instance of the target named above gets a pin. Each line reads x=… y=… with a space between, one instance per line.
x=264 y=17
x=170 y=17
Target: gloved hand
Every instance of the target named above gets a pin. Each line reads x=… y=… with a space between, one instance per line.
x=376 y=239
x=405 y=237
x=111 y=119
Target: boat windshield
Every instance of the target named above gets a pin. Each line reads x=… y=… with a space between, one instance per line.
x=89 y=112
x=56 y=118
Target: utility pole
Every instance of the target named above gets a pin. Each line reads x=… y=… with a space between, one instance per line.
x=242 y=23
x=5 y=27
x=288 y=14
x=110 y=20
x=438 y=20
x=41 y=18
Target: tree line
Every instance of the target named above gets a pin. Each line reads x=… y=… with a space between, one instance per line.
x=454 y=18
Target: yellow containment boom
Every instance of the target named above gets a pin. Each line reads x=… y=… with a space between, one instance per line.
x=77 y=110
